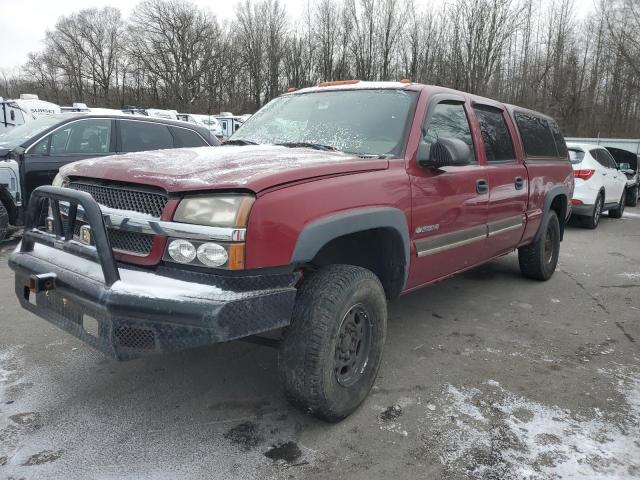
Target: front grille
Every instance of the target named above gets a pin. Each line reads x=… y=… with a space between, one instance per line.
x=127 y=242
x=124 y=198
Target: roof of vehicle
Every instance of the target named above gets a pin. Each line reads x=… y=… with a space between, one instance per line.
x=411 y=86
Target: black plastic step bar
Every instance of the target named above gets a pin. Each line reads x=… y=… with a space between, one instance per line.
x=62 y=236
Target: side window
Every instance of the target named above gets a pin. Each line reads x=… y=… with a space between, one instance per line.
x=42 y=147
x=449 y=120
x=187 y=138
x=536 y=135
x=600 y=158
x=561 y=145
x=608 y=159
x=495 y=134
x=82 y=137
x=138 y=136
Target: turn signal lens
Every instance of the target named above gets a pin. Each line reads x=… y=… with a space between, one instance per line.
x=584 y=174
x=182 y=251
x=236 y=256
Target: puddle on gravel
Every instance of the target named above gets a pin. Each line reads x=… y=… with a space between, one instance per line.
x=244 y=435
x=490 y=433
x=289 y=452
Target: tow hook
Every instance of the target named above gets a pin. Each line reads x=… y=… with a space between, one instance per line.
x=42 y=282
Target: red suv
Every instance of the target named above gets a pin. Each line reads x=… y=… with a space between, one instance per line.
x=323 y=205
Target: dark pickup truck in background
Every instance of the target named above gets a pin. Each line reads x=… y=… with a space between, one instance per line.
x=323 y=205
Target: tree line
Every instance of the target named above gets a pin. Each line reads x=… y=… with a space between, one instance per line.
x=584 y=71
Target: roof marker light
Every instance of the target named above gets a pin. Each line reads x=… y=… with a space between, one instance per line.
x=338 y=82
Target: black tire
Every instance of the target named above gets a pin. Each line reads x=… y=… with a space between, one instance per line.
x=592 y=221
x=632 y=196
x=336 y=302
x=619 y=210
x=4 y=221
x=539 y=259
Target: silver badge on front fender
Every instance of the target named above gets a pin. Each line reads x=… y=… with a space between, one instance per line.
x=427 y=228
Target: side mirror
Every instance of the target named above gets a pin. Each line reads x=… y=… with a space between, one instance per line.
x=444 y=152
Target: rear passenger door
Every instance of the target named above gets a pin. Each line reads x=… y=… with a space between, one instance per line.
x=507 y=175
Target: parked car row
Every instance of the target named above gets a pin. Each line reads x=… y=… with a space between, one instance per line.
x=29 y=107
x=602 y=183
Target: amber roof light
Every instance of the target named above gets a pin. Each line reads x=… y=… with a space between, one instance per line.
x=405 y=80
x=338 y=82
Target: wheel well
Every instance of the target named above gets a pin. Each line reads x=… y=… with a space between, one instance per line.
x=379 y=250
x=7 y=201
x=559 y=205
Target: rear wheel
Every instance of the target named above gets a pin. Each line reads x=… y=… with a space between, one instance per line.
x=539 y=259
x=330 y=355
x=4 y=221
x=592 y=221
x=619 y=210
x=632 y=196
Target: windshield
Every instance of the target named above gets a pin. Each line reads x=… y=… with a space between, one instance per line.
x=362 y=122
x=16 y=136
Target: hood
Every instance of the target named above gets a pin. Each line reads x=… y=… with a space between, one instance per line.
x=254 y=167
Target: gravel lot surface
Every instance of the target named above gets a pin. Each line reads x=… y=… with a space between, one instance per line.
x=486 y=375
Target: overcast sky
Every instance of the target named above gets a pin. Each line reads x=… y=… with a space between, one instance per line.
x=24 y=22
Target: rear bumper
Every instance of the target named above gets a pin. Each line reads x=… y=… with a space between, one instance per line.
x=145 y=313
x=582 y=210
x=127 y=312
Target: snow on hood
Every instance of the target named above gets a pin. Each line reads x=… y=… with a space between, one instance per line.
x=253 y=167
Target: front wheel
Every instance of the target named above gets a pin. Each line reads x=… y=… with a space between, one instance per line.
x=330 y=355
x=619 y=210
x=539 y=259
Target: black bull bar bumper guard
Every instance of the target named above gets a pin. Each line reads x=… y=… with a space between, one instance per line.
x=128 y=312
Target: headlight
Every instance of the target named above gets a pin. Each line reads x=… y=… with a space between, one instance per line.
x=215 y=211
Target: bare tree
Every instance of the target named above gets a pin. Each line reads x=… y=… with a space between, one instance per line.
x=174 y=41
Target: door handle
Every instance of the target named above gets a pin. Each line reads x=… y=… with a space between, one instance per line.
x=604 y=174
x=482 y=186
x=519 y=183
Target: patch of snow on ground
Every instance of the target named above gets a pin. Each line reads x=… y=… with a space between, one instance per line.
x=496 y=434
x=630 y=275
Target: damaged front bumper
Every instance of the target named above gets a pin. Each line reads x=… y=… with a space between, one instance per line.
x=126 y=312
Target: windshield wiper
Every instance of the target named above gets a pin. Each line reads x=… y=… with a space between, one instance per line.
x=239 y=141
x=316 y=146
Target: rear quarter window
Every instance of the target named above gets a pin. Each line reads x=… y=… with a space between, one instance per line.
x=537 y=138
x=138 y=136
x=187 y=138
x=561 y=145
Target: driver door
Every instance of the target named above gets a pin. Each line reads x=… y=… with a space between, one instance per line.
x=450 y=205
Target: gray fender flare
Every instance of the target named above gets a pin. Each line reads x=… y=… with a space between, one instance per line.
x=318 y=233
x=549 y=198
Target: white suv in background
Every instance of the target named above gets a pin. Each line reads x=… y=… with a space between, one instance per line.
x=599 y=185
